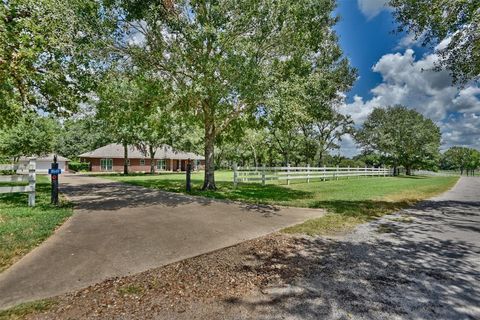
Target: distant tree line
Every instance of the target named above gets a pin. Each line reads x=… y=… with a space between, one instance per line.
x=462 y=159
x=393 y=136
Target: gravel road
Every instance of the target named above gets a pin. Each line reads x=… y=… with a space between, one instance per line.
x=421 y=263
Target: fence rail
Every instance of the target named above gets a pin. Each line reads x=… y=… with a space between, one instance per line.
x=264 y=174
x=31 y=178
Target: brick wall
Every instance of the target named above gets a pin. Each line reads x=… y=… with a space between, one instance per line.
x=136 y=166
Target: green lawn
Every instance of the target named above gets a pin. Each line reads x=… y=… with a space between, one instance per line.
x=348 y=201
x=22 y=228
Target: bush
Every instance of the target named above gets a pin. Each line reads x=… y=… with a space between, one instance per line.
x=78 y=166
x=351 y=163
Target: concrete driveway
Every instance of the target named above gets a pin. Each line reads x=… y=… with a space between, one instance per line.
x=119 y=229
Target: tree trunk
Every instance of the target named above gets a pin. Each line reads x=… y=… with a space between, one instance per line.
x=125 y=158
x=152 y=159
x=320 y=159
x=270 y=157
x=408 y=170
x=254 y=156
x=209 y=180
x=395 y=172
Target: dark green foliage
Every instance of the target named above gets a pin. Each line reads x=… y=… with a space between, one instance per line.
x=78 y=136
x=462 y=159
x=33 y=135
x=78 y=166
x=403 y=137
x=228 y=57
x=351 y=163
x=43 y=65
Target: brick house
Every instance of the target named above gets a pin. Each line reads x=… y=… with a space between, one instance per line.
x=110 y=158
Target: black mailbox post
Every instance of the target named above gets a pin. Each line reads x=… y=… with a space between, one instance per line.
x=54 y=172
x=189 y=173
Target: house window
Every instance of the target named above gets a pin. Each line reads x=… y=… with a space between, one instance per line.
x=161 y=165
x=142 y=162
x=106 y=164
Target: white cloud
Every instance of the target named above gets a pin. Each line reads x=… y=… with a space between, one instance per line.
x=463 y=130
x=467 y=100
x=371 y=8
x=348 y=147
x=413 y=83
x=359 y=109
x=409 y=41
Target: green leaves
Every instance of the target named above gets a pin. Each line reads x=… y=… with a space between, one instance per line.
x=457 y=22
x=461 y=158
x=402 y=136
x=33 y=135
x=224 y=59
x=43 y=66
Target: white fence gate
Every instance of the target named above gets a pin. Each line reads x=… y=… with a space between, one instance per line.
x=264 y=174
x=30 y=177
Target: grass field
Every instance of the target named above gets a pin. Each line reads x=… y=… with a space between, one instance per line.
x=22 y=228
x=348 y=202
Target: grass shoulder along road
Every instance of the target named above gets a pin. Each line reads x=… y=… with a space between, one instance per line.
x=349 y=202
x=22 y=228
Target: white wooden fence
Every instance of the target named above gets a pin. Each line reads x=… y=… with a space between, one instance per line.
x=31 y=178
x=264 y=174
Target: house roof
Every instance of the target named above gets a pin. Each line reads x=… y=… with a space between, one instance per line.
x=115 y=150
x=45 y=158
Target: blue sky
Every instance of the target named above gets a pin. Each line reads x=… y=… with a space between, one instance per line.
x=364 y=41
x=391 y=69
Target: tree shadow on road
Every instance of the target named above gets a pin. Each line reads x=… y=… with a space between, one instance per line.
x=413 y=272
x=115 y=195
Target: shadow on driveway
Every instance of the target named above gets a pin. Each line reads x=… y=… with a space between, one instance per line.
x=114 y=196
x=425 y=269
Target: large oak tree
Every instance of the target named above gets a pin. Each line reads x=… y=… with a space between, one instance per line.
x=402 y=136
x=220 y=56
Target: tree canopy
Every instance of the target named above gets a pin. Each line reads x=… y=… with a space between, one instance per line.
x=31 y=136
x=403 y=137
x=457 y=23
x=224 y=58
x=461 y=158
x=44 y=64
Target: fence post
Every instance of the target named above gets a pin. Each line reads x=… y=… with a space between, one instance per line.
x=263 y=174
x=336 y=173
x=288 y=174
x=384 y=173
x=366 y=171
x=32 y=181
x=235 y=175
x=357 y=172
x=348 y=172
x=308 y=173
x=324 y=174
